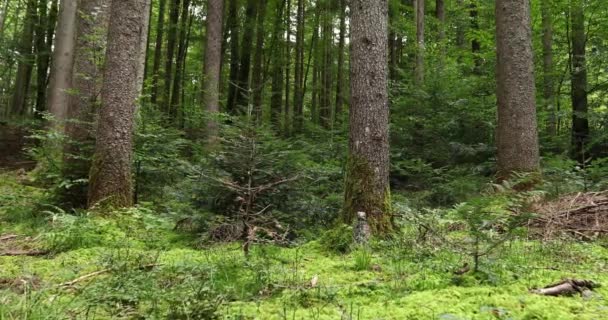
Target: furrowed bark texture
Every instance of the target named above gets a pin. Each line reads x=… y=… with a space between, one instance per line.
x=213 y=63
x=110 y=180
x=367 y=186
x=516 y=137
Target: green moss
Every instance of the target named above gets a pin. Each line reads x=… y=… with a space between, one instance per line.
x=361 y=194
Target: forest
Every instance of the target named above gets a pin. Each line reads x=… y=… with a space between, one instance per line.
x=303 y=159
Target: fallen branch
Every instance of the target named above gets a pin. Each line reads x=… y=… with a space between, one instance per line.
x=100 y=272
x=8 y=237
x=566 y=287
x=28 y=253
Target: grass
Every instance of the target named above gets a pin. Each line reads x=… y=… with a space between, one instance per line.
x=217 y=282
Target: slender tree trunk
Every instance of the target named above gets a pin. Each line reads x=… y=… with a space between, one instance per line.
x=548 y=76
x=341 y=57
x=212 y=68
x=63 y=61
x=287 y=61
x=180 y=59
x=233 y=25
x=110 y=182
x=440 y=15
x=326 y=73
x=420 y=42
x=460 y=27
x=516 y=136
x=367 y=178
x=26 y=61
x=91 y=32
x=475 y=43
x=243 y=95
x=276 y=100
x=580 y=121
x=158 y=51
x=44 y=25
x=170 y=58
x=298 y=88
x=257 y=78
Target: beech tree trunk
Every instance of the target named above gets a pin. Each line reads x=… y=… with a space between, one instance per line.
x=110 y=179
x=516 y=136
x=63 y=61
x=580 y=121
x=548 y=77
x=91 y=32
x=213 y=63
x=367 y=181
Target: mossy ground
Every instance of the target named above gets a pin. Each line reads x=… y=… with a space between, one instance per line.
x=394 y=281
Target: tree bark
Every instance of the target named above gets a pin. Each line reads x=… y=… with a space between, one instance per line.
x=110 y=182
x=243 y=86
x=580 y=121
x=298 y=91
x=440 y=15
x=367 y=181
x=548 y=77
x=516 y=136
x=475 y=44
x=3 y=14
x=91 y=32
x=26 y=61
x=63 y=61
x=213 y=63
x=287 y=61
x=184 y=28
x=44 y=31
x=420 y=42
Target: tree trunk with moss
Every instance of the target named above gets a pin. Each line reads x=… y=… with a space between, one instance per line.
x=516 y=135
x=367 y=178
x=110 y=178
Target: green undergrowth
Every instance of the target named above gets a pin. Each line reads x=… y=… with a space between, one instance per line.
x=150 y=271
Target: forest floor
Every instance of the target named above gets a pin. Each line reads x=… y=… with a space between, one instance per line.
x=132 y=264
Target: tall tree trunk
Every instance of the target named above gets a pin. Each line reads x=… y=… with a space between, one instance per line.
x=548 y=82
x=212 y=68
x=326 y=69
x=287 y=61
x=367 y=176
x=180 y=60
x=63 y=61
x=440 y=15
x=298 y=88
x=257 y=78
x=91 y=32
x=170 y=58
x=460 y=26
x=475 y=43
x=233 y=26
x=276 y=100
x=26 y=61
x=110 y=182
x=243 y=95
x=580 y=121
x=158 y=51
x=516 y=136
x=341 y=57
x=420 y=43
x=45 y=24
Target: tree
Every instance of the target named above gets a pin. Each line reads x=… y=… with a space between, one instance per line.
x=213 y=63
x=158 y=51
x=548 y=82
x=110 y=178
x=341 y=57
x=516 y=135
x=243 y=86
x=3 y=14
x=257 y=78
x=170 y=58
x=420 y=45
x=367 y=186
x=63 y=60
x=580 y=121
x=43 y=45
x=91 y=32
x=26 y=61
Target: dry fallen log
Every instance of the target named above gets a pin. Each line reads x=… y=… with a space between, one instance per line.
x=100 y=272
x=566 y=287
x=8 y=237
x=28 y=253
